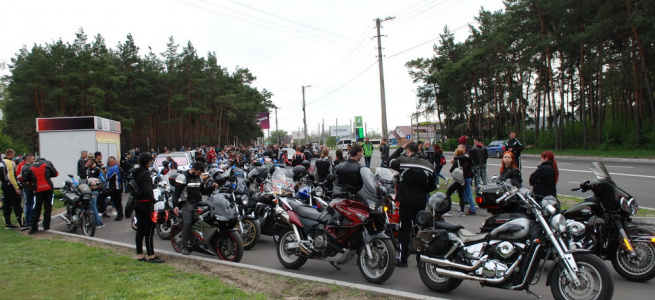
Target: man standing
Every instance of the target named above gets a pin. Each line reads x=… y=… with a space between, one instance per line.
x=10 y=190
x=41 y=173
x=384 y=150
x=368 y=152
x=479 y=157
x=188 y=193
x=27 y=189
x=80 y=165
x=416 y=181
x=514 y=146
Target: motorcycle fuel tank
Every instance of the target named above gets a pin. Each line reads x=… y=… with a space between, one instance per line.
x=583 y=211
x=513 y=230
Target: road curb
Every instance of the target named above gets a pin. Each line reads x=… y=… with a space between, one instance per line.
x=364 y=287
x=643 y=221
x=598 y=158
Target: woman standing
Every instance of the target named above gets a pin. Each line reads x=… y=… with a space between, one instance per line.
x=438 y=154
x=143 y=209
x=509 y=169
x=114 y=183
x=544 y=179
x=461 y=160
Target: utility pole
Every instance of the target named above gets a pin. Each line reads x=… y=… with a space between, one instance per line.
x=277 y=133
x=304 y=115
x=382 y=96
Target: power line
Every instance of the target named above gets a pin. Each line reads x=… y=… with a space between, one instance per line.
x=341 y=86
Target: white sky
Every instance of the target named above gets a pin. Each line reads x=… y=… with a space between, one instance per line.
x=285 y=44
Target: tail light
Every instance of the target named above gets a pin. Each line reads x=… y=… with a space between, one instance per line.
x=478 y=200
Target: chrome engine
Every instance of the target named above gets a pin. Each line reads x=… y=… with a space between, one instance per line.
x=575 y=228
x=493 y=258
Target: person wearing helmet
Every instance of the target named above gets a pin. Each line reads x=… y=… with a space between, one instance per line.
x=417 y=179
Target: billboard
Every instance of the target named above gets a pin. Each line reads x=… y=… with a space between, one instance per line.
x=297 y=135
x=359 y=121
x=342 y=130
x=262 y=120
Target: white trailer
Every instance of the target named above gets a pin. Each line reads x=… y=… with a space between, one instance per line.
x=61 y=140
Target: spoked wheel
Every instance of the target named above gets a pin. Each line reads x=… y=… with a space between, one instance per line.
x=164 y=230
x=88 y=223
x=288 y=251
x=134 y=224
x=251 y=233
x=638 y=267
x=379 y=267
x=595 y=280
x=229 y=246
x=176 y=238
x=435 y=282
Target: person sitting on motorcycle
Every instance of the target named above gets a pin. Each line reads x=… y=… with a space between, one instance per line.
x=417 y=179
x=323 y=166
x=354 y=178
x=95 y=177
x=188 y=192
x=544 y=179
x=509 y=169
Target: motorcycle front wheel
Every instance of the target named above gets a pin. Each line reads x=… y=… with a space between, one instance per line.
x=88 y=223
x=251 y=233
x=164 y=230
x=135 y=226
x=229 y=246
x=596 y=280
x=435 y=282
x=287 y=251
x=639 y=267
x=176 y=238
x=379 y=267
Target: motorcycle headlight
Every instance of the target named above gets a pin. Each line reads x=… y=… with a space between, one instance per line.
x=318 y=191
x=558 y=222
x=87 y=196
x=629 y=205
x=244 y=200
x=221 y=217
x=374 y=206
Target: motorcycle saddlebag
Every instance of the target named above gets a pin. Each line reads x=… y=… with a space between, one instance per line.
x=432 y=242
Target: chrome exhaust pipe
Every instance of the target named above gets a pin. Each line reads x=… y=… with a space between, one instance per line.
x=65 y=219
x=449 y=264
x=460 y=275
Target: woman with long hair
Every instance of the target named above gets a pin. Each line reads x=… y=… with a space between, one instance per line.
x=438 y=154
x=544 y=179
x=461 y=160
x=142 y=210
x=509 y=169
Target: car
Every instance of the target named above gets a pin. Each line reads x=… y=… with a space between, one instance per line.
x=496 y=148
x=343 y=144
x=184 y=160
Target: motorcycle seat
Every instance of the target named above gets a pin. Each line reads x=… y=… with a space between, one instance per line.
x=202 y=203
x=305 y=210
x=469 y=237
x=447 y=226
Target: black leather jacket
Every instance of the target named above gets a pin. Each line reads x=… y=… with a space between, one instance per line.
x=189 y=188
x=355 y=179
x=416 y=180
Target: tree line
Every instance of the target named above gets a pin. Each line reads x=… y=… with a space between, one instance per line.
x=562 y=73
x=172 y=99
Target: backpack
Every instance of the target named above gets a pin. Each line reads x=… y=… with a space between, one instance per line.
x=297 y=159
x=458 y=173
x=443 y=160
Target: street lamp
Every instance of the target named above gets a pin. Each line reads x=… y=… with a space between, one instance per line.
x=304 y=115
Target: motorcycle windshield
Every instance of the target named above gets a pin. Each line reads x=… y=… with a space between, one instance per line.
x=220 y=205
x=384 y=175
x=599 y=170
x=239 y=173
x=282 y=181
x=610 y=199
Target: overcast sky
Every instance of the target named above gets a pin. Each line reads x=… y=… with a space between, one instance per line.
x=285 y=44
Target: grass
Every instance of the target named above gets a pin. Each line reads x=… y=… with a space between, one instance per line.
x=57 y=269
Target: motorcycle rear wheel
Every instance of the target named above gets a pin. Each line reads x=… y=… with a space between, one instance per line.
x=435 y=282
x=176 y=238
x=596 y=280
x=129 y=206
x=229 y=246
x=88 y=223
x=380 y=267
x=289 y=258
x=639 y=268
x=251 y=233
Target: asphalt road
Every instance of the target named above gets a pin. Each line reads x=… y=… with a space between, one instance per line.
x=403 y=279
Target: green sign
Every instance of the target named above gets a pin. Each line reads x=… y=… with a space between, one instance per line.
x=359 y=122
x=360 y=133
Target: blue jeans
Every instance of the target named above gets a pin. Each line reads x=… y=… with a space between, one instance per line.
x=367 y=160
x=94 y=207
x=468 y=194
x=28 y=195
x=437 y=170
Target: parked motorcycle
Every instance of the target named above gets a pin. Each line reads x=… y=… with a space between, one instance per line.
x=164 y=196
x=77 y=198
x=508 y=257
x=213 y=229
x=601 y=224
x=346 y=229
x=236 y=187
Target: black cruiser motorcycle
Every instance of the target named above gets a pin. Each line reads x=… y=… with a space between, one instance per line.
x=509 y=256
x=77 y=198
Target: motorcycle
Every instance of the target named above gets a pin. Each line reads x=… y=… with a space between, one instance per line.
x=508 y=257
x=236 y=187
x=164 y=196
x=346 y=229
x=601 y=224
x=213 y=229
x=77 y=198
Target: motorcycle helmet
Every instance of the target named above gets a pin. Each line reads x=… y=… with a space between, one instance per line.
x=298 y=171
x=305 y=163
x=438 y=203
x=303 y=193
x=159 y=216
x=550 y=200
x=94 y=183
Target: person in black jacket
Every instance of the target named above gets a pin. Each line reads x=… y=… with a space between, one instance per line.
x=509 y=169
x=544 y=179
x=142 y=210
x=416 y=181
x=81 y=173
x=479 y=156
x=514 y=146
x=188 y=193
x=323 y=166
x=463 y=188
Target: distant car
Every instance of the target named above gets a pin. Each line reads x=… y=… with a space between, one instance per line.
x=184 y=160
x=496 y=148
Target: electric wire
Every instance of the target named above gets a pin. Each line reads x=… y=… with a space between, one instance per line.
x=343 y=85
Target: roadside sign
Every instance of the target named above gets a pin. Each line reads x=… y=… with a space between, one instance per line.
x=359 y=121
x=409 y=137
